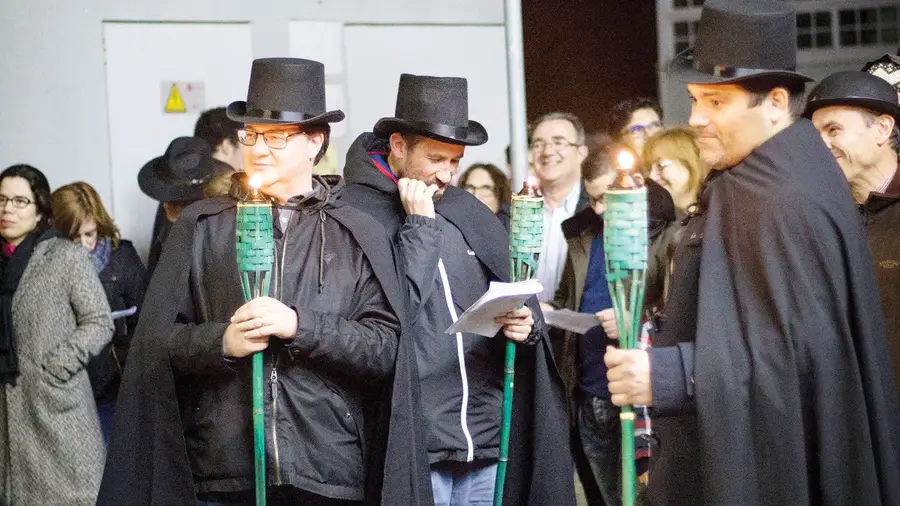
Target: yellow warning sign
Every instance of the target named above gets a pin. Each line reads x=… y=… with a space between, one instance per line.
x=174 y=103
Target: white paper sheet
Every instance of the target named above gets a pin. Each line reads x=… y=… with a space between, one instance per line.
x=499 y=299
x=567 y=319
x=123 y=313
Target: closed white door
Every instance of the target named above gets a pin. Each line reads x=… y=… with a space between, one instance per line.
x=139 y=58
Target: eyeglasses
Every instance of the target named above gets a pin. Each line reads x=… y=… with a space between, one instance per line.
x=643 y=130
x=17 y=202
x=660 y=164
x=556 y=144
x=275 y=140
x=483 y=191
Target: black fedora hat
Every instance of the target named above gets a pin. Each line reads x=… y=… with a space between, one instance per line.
x=284 y=91
x=436 y=107
x=857 y=89
x=179 y=174
x=739 y=40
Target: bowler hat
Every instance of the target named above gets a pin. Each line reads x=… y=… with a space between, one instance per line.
x=739 y=40
x=436 y=107
x=857 y=89
x=285 y=91
x=179 y=174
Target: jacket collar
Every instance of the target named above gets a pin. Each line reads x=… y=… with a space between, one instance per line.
x=878 y=201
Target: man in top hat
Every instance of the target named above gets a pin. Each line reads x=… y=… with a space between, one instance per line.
x=450 y=247
x=770 y=376
x=328 y=331
x=176 y=180
x=857 y=115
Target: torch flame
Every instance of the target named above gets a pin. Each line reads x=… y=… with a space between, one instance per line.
x=625 y=160
x=255 y=182
x=532 y=181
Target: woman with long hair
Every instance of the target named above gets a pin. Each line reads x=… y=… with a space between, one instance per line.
x=53 y=318
x=79 y=213
x=489 y=185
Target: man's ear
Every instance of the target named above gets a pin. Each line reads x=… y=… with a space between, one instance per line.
x=779 y=104
x=398 y=145
x=884 y=127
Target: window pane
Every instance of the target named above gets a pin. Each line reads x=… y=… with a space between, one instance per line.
x=680 y=46
x=848 y=38
x=867 y=16
x=823 y=39
x=681 y=29
x=869 y=36
x=887 y=14
x=847 y=18
x=804 y=41
x=889 y=35
x=803 y=20
x=823 y=19
x=680 y=3
x=699 y=3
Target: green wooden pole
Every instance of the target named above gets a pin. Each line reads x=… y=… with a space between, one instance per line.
x=625 y=244
x=255 y=256
x=526 y=231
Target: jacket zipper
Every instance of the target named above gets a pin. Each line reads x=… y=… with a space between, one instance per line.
x=463 y=412
x=273 y=382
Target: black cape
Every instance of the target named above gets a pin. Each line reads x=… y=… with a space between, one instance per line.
x=795 y=399
x=540 y=469
x=147 y=462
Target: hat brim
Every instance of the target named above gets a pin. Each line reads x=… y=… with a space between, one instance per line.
x=476 y=134
x=872 y=104
x=682 y=68
x=167 y=191
x=237 y=111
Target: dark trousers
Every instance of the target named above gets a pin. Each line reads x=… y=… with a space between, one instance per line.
x=601 y=440
x=275 y=496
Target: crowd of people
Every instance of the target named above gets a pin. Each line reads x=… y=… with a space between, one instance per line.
x=771 y=320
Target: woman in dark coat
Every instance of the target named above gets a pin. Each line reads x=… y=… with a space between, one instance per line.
x=79 y=213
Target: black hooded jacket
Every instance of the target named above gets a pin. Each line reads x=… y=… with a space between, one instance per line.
x=183 y=424
x=540 y=468
x=771 y=376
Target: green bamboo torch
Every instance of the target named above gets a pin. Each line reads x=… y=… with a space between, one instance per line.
x=255 y=255
x=625 y=245
x=526 y=232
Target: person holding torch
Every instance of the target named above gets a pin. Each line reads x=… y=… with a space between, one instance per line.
x=323 y=323
x=769 y=376
x=450 y=247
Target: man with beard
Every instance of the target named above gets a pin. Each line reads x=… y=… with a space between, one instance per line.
x=328 y=331
x=857 y=115
x=769 y=378
x=449 y=247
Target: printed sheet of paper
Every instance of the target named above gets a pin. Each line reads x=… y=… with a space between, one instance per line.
x=123 y=313
x=572 y=321
x=499 y=299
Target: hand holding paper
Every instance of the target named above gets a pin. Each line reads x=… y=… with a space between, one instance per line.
x=500 y=299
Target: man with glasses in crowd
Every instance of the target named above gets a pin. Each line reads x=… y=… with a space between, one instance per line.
x=634 y=120
x=556 y=152
x=328 y=331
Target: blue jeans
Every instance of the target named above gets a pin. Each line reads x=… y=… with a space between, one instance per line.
x=463 y=487
x=601 y=438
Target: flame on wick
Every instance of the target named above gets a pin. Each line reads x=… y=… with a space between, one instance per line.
x=625 y=160
x=255 y=182
x=532 y=182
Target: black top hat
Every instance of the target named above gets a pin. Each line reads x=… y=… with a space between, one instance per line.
x=887 y=67
x=739 y=40
x=857 y=89
x=285 y=91
x=436 y=107
x=178 y=175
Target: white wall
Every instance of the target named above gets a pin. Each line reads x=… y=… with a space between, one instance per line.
x=53 y=100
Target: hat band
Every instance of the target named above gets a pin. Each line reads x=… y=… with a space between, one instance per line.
x=292 y=116
x=732 y=72
x=440 y=129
